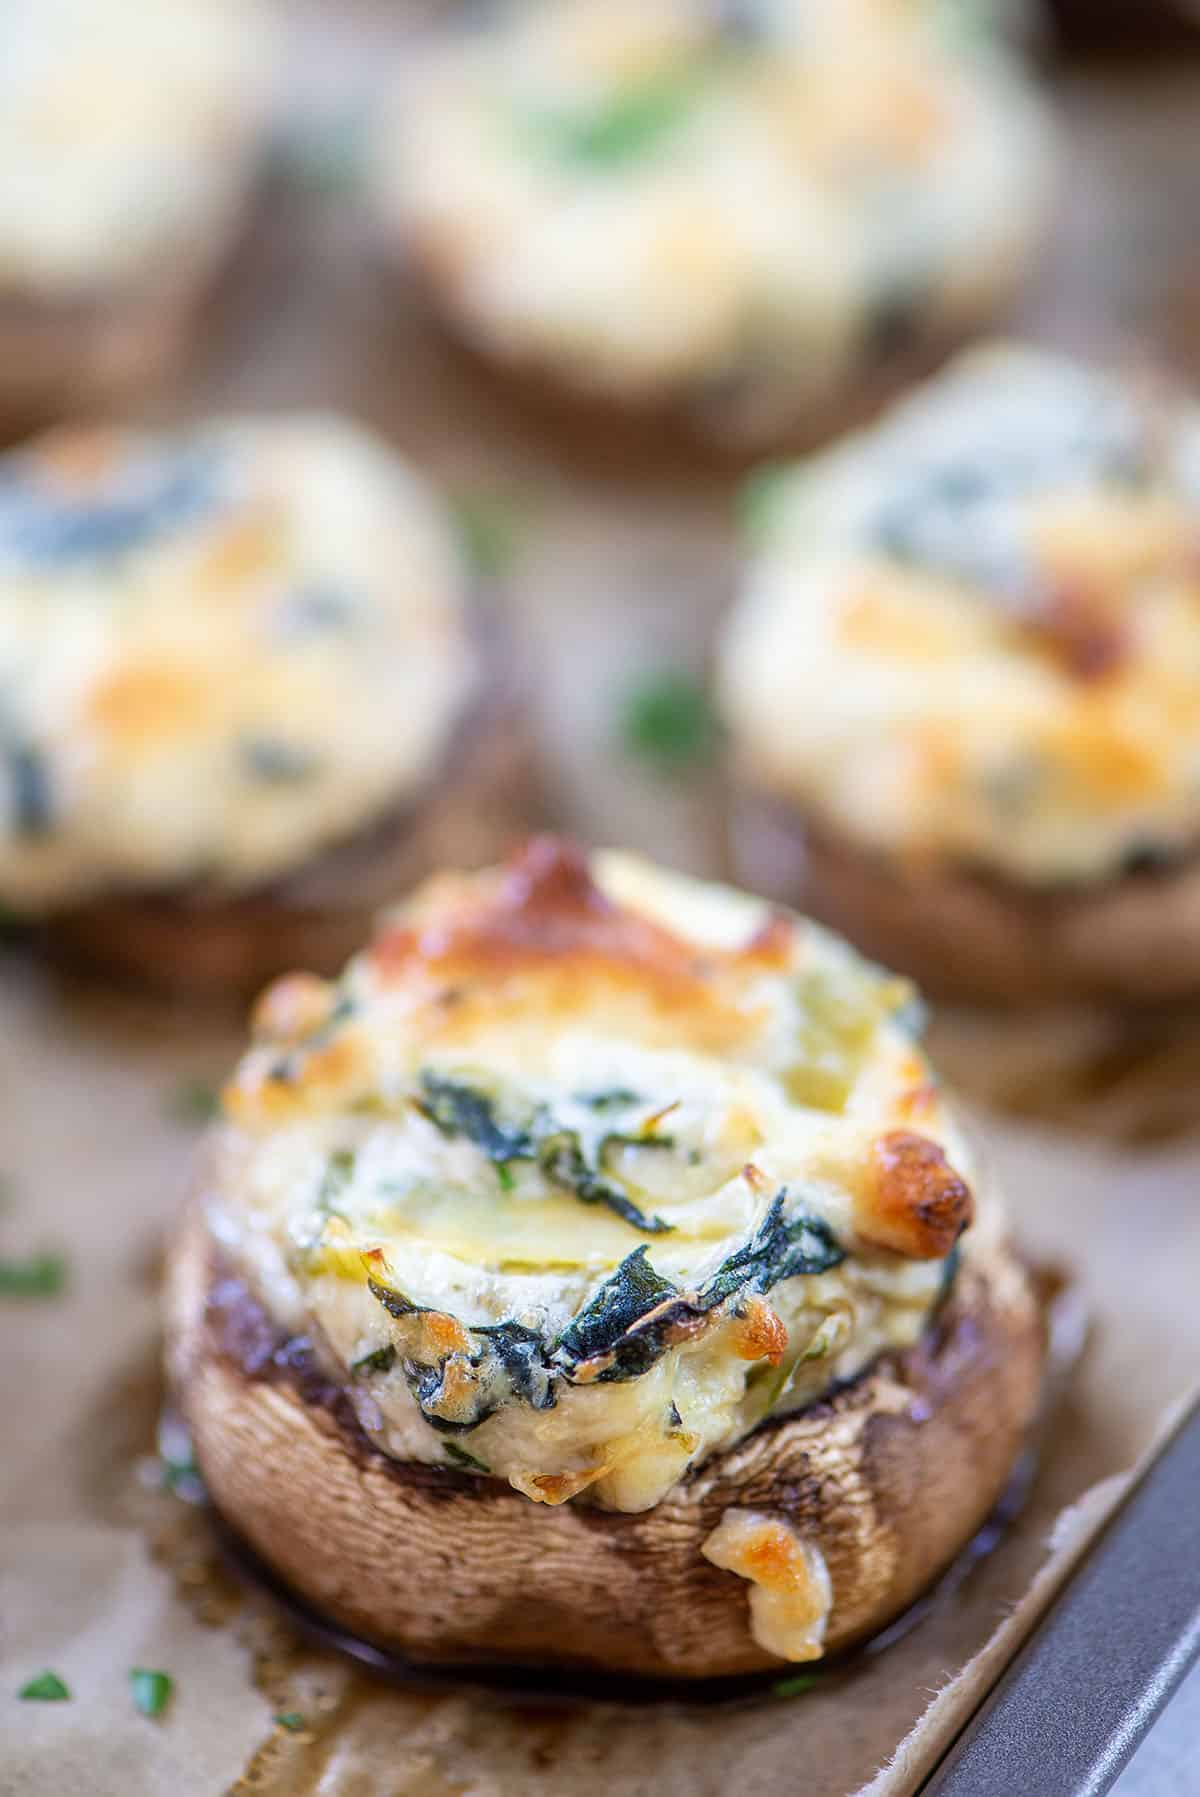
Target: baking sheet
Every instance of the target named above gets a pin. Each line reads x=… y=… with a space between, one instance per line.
x=622 y=568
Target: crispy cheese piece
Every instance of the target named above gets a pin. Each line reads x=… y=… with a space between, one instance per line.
x=791 y=1592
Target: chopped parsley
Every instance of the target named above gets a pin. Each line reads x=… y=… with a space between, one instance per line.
x=195 y=1101
x=667 y=720
x=489 y=532
x=47 y=1687
x=793 y=1687
x=292 y=1720
x=382 y=1360
x=623 y=128
x=151 y=1690
x=41 y=1276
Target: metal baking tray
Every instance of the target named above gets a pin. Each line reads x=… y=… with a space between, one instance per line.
x=1067 y=1715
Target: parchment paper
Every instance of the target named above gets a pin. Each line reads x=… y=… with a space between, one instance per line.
x=101 y=1569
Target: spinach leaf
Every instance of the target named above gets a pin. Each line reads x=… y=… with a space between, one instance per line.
x=459 y=1109
x=561 y=1158
x=780 y=1248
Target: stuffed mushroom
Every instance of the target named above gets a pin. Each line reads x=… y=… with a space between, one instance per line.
x=593 y=1274
x=750 y=219
x=129 y=137
x=248 y=692
x=963 y=683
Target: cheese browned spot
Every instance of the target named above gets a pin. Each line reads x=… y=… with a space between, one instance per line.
x=914 y=1202
x=582 y=1169
x=791 y=1594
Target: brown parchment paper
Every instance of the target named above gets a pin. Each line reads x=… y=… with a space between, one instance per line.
x=625 y=564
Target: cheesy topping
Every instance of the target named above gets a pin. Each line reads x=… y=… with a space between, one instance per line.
x=220 y=651
x=700 y=193
x=126 y=133
x=791 y=1591
x=582 y=1169
x=972 y=633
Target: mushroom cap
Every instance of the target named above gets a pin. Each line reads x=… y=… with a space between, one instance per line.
x=888 y=1478
x=964 y=935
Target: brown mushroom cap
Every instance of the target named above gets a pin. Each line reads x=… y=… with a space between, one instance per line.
x=1134 y=938
x=888 y=1478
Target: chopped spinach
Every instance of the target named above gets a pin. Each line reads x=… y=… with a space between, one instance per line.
x=623 y=1301
x=460 y=1458
x=610 y=1098
x=780 y=1248
x=147 y=494
x=318 y=608
x=633 y=1317
x=338 y=1174
x=561 y=1158
x=381 y=1360
x=458 y=1108
x=276 y=762
x=30 y=793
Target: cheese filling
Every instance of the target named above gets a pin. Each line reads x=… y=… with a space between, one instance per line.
x=220 y=652
x=127 y=130
x=972 y=633
x=581 y=1170
x=695 y=193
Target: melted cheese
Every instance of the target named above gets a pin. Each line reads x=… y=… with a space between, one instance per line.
x=791 y=1591
x=220 y=651
x=973 y=632
x=126 y=133
x=554 y=1092
x=643 y=197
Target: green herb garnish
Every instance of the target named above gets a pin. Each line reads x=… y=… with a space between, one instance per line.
x=195 y=1101
x=47 y=1687
x=382 y=1360
x=41 y=1276
x=621 y=129
x=292 y=1720
x=489 y=532
x=792 y=1687
x=151 y=1690
x=667 y=720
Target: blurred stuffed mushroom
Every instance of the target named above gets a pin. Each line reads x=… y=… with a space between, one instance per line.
x=130 y=138
x=752 y=217
x=962 y=683
x=248 y=691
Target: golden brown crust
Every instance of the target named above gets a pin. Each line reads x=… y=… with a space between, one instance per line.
x=486 y=794
x=1134 y=939
x=888 y=1479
